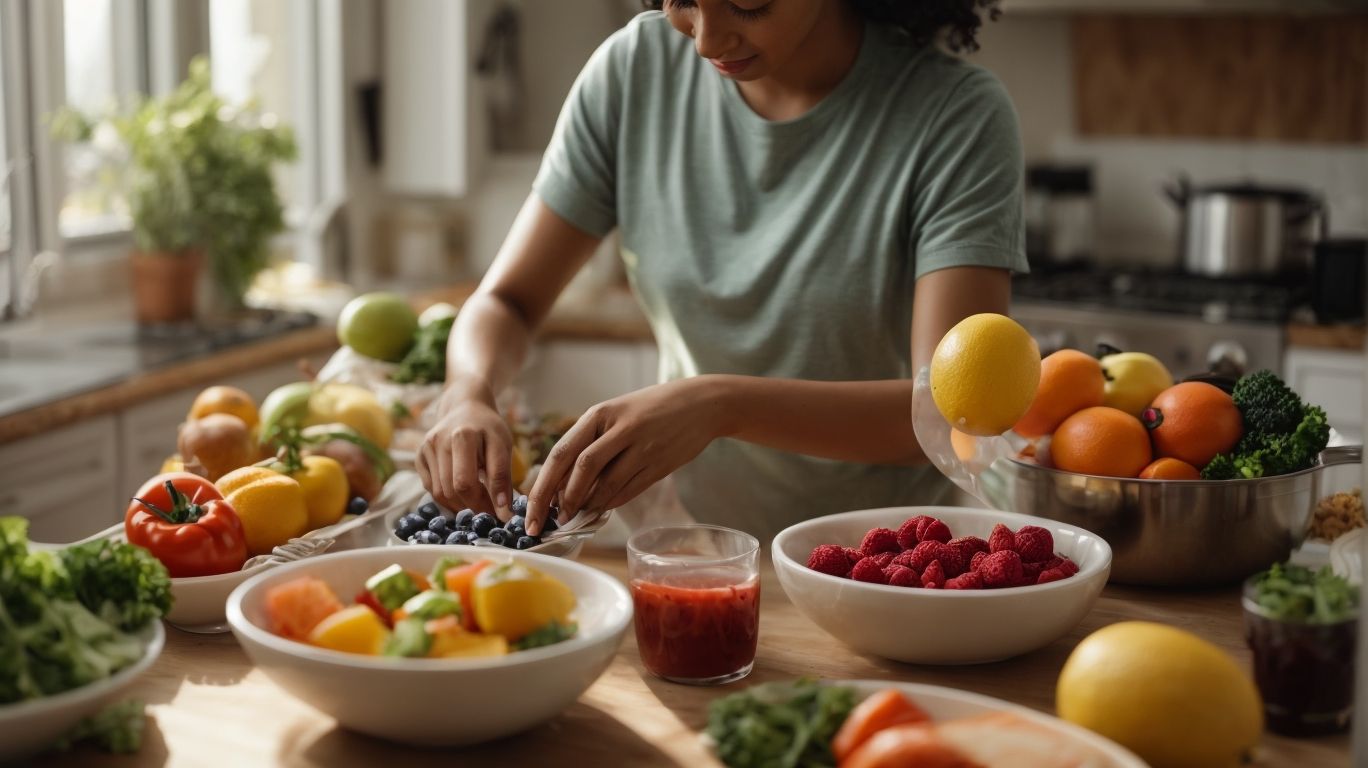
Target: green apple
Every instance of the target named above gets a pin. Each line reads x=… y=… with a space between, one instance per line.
x=286 y=406
x=378 y=325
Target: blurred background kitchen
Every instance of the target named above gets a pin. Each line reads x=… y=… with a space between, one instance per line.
x=1197 y=188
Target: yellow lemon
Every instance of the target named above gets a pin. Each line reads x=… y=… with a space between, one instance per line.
x=984 y=374
x=1134 y=379
x=352 y=630
x=172 y=463
x=354 y=406
x=1174 y=699
x=270 y=505
x=325 y=487
x=512 y=600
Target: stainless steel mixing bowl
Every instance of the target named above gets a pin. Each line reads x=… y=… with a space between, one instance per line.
x=1173 y=533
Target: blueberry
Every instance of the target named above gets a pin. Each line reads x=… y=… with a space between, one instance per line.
x=483 y=524
x=439 y=526
x=427 y=537
x=500 y=536
x=457 y=537
x=470 y=537
x=515 y=521
x=464 y=518
x=550 y=525
x=527 y=542
x=519 y=505
x=516 y=532
x=429 y=510
x=357 y=506
x=409 y=525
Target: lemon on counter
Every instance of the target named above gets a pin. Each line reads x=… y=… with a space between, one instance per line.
x=513 y=600
x=1174 y=699
x=984 y=374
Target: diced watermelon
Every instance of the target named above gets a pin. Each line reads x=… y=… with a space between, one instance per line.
x=296 y=607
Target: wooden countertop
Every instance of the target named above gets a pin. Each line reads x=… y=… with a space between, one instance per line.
x=1348 y=338
x=612 y=316
x=208 y=706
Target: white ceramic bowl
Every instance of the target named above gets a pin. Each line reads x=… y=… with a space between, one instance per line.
x=29 y=727
x=932 y=626
x=437 y=702
x=198 y=601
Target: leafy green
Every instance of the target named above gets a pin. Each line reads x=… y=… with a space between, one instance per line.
x=1295 y=593
x=1282 y=434
x=117 y=728
x=425 y=362
x=550 y=634
x=65 y=617
x=779 y=725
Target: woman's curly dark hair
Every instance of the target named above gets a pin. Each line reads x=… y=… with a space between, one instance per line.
x=922 y=20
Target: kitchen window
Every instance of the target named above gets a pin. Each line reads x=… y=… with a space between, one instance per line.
x=99 y=54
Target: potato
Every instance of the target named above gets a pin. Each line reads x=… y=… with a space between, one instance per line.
x=362 y=476
x=219 y=442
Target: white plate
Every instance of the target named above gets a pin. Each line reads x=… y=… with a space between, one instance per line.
x=28 y=727
x=950 y=704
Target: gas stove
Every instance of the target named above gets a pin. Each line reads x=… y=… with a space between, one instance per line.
x=1194 y=325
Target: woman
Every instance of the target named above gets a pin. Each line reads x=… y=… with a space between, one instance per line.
x=809 y=194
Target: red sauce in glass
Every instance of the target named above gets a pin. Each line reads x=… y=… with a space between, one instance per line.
x=697 y=626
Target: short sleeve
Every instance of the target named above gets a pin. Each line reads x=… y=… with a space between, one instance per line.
x=967 y=210
x=578 y=173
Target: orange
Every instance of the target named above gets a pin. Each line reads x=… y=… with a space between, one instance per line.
x=1069 y=382
x=1101 y=441
x=225 y=399
x=1193 y=421
x=964 y=445
x=1170 y=469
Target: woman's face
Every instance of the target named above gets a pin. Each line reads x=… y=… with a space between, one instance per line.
x=746 y=39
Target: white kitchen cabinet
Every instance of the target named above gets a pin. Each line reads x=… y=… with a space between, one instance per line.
x=64 y=481
x=1332 y=379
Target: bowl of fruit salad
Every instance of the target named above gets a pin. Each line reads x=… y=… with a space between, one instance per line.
x=941 y=585
x=382 y=639
x=430 y=523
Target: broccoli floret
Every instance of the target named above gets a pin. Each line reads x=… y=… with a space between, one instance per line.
x=1267 y=405
x=1264 y=454
x=1221 y=468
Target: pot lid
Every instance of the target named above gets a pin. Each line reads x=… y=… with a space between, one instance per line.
x=1251 y=190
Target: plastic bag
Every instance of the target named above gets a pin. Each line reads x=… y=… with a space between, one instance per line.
x=960 y=457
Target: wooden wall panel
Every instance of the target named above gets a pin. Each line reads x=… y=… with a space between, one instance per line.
x=1275 y=78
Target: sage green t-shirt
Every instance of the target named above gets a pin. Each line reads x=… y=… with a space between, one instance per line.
x=787 y=249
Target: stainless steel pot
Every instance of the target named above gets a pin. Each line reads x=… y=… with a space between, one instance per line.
x=1245 y=230
x=1173 y=533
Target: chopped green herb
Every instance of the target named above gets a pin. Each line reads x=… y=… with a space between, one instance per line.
x=1294 y=593
x=554 y=632
x=779 y=725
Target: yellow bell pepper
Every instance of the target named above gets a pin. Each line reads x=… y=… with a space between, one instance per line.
x=512 y=600
x=270 y=505
x=352 y=630
x=354 y=406
x=450 y=641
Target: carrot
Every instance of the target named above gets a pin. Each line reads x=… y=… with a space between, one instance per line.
x=904 y=746
x=461 y=580
x=884 y=709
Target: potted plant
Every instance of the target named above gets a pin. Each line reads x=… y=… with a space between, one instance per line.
x=197 y=176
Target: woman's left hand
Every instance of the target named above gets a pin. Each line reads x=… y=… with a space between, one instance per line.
x=621 y=447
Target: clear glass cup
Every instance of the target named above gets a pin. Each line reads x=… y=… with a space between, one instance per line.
x=696 y=593
x=1304 y=670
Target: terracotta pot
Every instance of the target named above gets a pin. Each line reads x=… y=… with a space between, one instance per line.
x=164 y=285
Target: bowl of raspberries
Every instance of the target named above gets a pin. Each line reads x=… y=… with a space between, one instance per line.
x=941 y=585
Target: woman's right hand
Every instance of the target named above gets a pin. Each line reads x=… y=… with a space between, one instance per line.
x=470 y=436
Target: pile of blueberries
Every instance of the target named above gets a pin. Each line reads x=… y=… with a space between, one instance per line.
x=430 y=524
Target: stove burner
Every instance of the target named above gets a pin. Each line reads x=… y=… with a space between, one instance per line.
x=1213 y=300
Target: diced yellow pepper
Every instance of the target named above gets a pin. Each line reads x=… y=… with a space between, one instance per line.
x=512 y=600
x=450 y=641
x=352 y=630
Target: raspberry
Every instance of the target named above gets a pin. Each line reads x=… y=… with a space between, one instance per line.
x=920 y=522
x=934 y=576
x=1001 y=539
x=968 y=580
x=905 y=559
x=923 y=555
x=968 y=545
x=1068 y=566
x=880 y=540
x=869 y=571
x=976 y=562
x=935 y=531
x=853 y=555
x=829 y=559
x=1049 y=575
x=1030 y=571
x=951 y=559
x=1001 y=569
x=1054 y=562
x=883 y=559
x=899 y=576
x=1034 y=544
x=907 y=533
